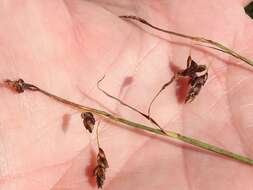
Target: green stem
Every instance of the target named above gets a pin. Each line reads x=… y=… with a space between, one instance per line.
x=171 y=134
x=218 y=45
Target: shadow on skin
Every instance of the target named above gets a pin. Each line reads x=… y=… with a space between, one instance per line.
x=127 y=81
x=181 y=84
x=65 y=122
x=89 y=169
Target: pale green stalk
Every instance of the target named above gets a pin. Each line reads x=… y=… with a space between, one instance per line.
x=171 y=134
x=219 y=46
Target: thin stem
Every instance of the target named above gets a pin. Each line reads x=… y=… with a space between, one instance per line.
x=159 y=92
x=128 y=106
x=97 y=135
x=194 y=38
x=116 y=119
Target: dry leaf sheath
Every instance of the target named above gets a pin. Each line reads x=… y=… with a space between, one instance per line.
x=120 y=120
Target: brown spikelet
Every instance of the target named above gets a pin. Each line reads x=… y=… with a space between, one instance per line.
x=198 y=76
x=17 y=85
x=88 y=121
x=20 y=86
x=100 y=169
x=193 y=69
x=195 y=87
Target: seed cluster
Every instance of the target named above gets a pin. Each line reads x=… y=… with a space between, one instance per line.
x=88 y=121
x=198 y=76
x=17 y=85
x=100 y=169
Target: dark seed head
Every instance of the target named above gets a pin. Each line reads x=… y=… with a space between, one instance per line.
x=88 y=121
x=201 y=80
x=201 y=68
x=17 y=85
x=193 y=92
x=102 y=159
x=99 y=172
x=192 y=69
x=100 y=169
x=196 y=84
x=197 y=78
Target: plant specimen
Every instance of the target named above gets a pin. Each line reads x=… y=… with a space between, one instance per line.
x=102 y=164
x=213 y=44
x=249 y=9
x=100 y=169
x=88 y=121
x=16 y=85
x=197 y=75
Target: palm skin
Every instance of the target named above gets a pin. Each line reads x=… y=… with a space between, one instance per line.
x=65 y=47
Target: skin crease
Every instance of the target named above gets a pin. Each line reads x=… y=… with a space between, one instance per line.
x=65 y=47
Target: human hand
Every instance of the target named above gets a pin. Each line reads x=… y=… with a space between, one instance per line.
x=65 y=47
